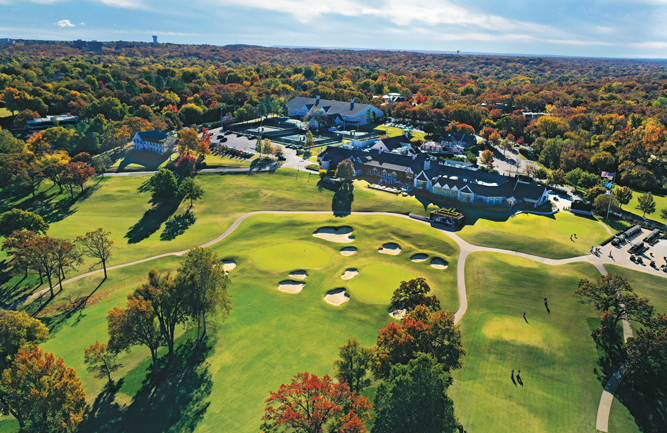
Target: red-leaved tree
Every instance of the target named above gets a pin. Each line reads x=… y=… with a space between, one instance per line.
x=313 y=405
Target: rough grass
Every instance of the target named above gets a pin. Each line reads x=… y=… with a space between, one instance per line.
x=660 y=203
x=645 y=285
x=554 y=352
x=545 y=236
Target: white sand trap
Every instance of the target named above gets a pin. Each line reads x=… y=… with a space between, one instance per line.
x=398 y=314
x=301 y=275
x=228 y=265
x=335 y=234
x=290 y=286
x=438 y=263
x=419 y=257
x=349 y=274
x=337 y=297
x=390 y=248
x=348 y=251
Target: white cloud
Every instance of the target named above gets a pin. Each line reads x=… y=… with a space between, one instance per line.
x=126 y=4
x=64 y=23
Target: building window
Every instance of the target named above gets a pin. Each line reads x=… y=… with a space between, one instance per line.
x=466 y=198
x=437 y=190
x=421 y=184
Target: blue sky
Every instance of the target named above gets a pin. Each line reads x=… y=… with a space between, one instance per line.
x=611 y=28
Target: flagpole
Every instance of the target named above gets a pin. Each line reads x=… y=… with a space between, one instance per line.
x=611 y=197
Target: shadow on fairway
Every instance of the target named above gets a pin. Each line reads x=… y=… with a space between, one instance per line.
x=70 y=306
x=174 y=399
x=152 y=220
x=341 y=204
x=177 y=225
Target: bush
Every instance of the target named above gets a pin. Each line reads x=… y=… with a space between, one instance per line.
x=529 y=154
x=313 y=167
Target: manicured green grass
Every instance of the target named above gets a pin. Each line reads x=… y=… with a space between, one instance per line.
x=394 y=132
x=554 y=352
x=649 y=286
x=269 y=336
x=660 y=203
x=291 y=255
x=545 y=236
x=214 y=161
x=376 y=283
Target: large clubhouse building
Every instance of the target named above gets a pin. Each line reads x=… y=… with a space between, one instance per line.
x=424 y=173
x=341 y=113
x=152 y=141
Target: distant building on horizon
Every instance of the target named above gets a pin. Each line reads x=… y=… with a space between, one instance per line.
x=5 y=42
x=88 y=46
x=51 y=121
x=154 y=40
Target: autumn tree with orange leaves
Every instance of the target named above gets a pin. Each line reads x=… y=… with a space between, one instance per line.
x=311 y=404
x=190 y=142
x=76 y=174
x=421 y=331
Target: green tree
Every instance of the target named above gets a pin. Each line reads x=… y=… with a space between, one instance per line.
x=353 y=365
x=310 y=141
x=259 y=145
x=574 y=177
x=163 y=184
x=414 y=399
x=487 y=157
x=96 y=244
x=10 y=144
x=19 y=220
x=65 y=256
x=190 y=190
x=412 y=293
x=101 y=360
x=42 y=393
x=556 y=177
x=623 y=195
x=205 y=282
x=646 y=204
x=541 y=174
x=601 y=204
x=345 y=170
x=647 y=355
x=18 y=330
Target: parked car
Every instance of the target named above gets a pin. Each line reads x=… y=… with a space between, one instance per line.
x=251 y=137
x=238 y=134
x=229 y=131
x=220 y=136
x=223 y=139
x=282 y=158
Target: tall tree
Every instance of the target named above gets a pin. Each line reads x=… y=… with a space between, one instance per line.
x=190 y=190
x=345 y=170
x=163 y=184
x=66 y=256
x=623 y=195
x=17 y=246
x=647 y=355
x=487 y=157
x=646 y=204
x=76 y=174
x=412 y=293
x=96 y=244
x=419 y=332
x=353 y=365
x=135 y=325
x=101 y=360
x=18 y=330
x=20 y=220
x=169 y=303
x=414 y=399
x=41 y=254
x=313 y=405
x=190 y=142
x=42 y=393
x=205 y=282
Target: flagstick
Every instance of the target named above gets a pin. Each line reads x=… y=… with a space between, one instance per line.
x=611 y=196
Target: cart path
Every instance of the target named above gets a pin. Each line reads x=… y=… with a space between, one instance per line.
x=465 y=249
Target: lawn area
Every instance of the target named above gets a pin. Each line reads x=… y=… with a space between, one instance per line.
x=646 y=285
x=214 y=161
x=291 y=255
x=137 y=160
x=376 y=283
x=544 y=236
x=269 y=335
x=660 y=203
x=554 y=352
x=394 y=132
x=5 y=112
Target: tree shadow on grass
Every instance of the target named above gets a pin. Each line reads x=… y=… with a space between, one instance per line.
x=152 y=220
x=174 y=399
x=67 y=310
x=177 y=225
x=268 y=164
x=341 y=204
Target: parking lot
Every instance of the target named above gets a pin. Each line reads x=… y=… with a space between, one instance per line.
x=240 y=143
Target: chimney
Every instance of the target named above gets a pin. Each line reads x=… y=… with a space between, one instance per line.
x=352 y=104
x=317 y=100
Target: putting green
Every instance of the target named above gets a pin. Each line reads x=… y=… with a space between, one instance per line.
x=291 y=255
x=376 y=283
x=569 y=227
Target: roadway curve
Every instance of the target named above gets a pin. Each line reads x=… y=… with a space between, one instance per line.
x=465 y=249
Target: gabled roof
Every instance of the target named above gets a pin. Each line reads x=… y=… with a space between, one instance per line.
x=422 y=176
x=152 y=136
x=392 y=143
x=329 y=107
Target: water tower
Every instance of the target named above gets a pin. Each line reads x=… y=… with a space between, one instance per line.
x=154 y=40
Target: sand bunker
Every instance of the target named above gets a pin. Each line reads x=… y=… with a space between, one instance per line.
x=348 y=251
x=228 y=265
x=438 y=263
x=419 y=257
x=301 y=275
x=290 y=286
x=349 y=274
x=335 y=234
x=337 y=297
x=398 y=314
x=390 y=248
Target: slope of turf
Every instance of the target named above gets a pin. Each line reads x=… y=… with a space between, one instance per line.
x=376 y=283
x=291 y=255
x=269 y=336
x=660 y=203
x=554 y=352
x=545 y=236
x=645 y=285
